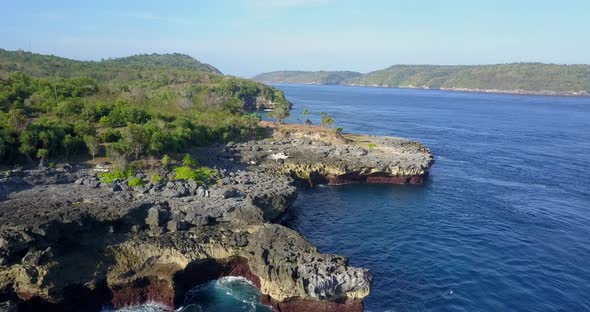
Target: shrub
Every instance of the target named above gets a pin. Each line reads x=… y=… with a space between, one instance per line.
x=115 y=174
x=327 y=120
x=371 y=145
x=135 y=182
x=185 y=173
x=166 y=161
x=110 y=136
x=188 y=161
x=200 y=175
x=156 y=178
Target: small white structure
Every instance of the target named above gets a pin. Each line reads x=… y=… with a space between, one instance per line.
x=278 y=156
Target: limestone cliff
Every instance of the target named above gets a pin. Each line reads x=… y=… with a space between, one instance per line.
x=71 y=243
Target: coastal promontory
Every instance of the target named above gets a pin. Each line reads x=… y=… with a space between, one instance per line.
x=71 y=242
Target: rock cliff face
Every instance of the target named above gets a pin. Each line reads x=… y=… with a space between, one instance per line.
x=258 y=103
x=317 y=155
x=127 y=246
x=71 y=243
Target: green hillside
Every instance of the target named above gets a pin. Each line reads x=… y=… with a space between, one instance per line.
x=54 y=108
x=517 y=77
x=305 y=77
x=175 y=60
x=39 y=65
x=527 y=78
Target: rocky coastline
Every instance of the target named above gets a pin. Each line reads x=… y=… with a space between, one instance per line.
x=69 y=242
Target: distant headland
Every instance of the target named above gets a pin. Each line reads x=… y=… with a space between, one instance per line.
x=515 y=78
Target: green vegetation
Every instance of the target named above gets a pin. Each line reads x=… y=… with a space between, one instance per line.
x=305 y=77
x=202 y=175
x=115 y=175
x=327 y=120
x=135 y=182
x=371 y=145
x=130 y=108
x=190 y=171
x=175 y=60
x=42 y=155
x=156 y=178
x=92 y=144
x=166 y=161
x=280 y=111
x=517 y=77
x=120 y=69
x=188 y=161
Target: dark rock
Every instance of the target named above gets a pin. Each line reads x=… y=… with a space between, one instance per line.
x=33 y=257
x=231 y=193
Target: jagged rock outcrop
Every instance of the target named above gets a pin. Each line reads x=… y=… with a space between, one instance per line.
x=69 y=242
x=131 y=245
x=324 y=156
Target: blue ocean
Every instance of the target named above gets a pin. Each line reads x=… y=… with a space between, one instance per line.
x=503 y=224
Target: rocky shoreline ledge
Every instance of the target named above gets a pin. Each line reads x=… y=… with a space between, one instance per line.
x=69 y=242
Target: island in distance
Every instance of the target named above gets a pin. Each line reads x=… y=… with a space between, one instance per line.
x=516 y=78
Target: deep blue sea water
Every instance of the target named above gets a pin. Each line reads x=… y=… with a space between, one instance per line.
x=503 y=223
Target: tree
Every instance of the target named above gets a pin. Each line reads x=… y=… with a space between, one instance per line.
x=18 y=119
x=92 y=145
x=71 y=144
x=137 y=139
x=305 y=113
x=118 y=154
x=28 y=142
x=327 y=120
x=47 y=137
x=42 y=155
x=280 y=111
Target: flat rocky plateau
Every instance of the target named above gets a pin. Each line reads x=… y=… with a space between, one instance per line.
x=69 y=242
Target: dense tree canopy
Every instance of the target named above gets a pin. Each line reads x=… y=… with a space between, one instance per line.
x=130 y=113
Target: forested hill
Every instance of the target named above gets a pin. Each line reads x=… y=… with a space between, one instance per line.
x=39 y=65
x=524 y=78
x=306 y=77
x=175 y=60
x=128 y=109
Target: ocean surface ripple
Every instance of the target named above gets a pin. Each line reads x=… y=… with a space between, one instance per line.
x=503 y=224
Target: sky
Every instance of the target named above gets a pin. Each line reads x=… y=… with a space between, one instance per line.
x=247 y=37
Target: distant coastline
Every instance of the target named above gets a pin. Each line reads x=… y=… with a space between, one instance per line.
x=516 y=78
x=507 y=92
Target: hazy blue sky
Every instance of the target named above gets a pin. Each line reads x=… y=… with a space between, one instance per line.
x=246 y=37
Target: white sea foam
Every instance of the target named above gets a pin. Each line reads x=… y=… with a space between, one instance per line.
x=151 y=306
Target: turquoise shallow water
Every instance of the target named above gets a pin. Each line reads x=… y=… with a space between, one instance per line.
x=503 y=224
x=228 y=294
